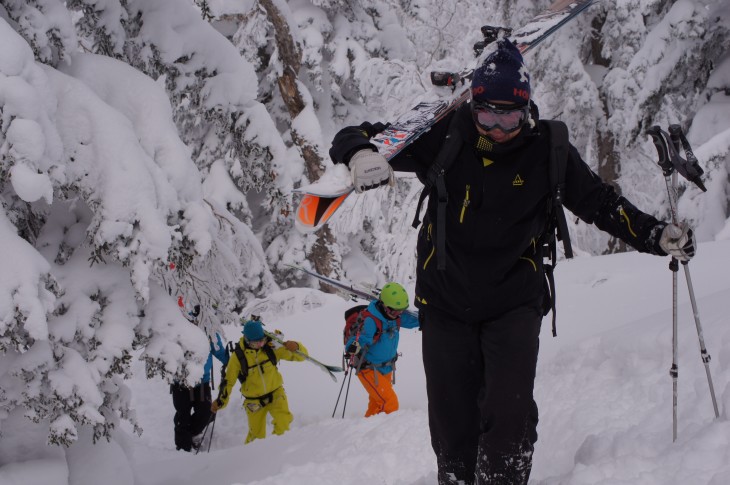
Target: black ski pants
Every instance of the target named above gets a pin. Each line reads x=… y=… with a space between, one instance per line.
x=479 y=381
x=186 y=399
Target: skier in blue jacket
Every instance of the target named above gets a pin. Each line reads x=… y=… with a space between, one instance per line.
x=189 y=427
x=374 y=348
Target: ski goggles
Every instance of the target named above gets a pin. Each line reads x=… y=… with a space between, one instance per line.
x=393 y=311
x=507 y=118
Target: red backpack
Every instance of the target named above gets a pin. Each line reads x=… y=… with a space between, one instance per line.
x=355 y=319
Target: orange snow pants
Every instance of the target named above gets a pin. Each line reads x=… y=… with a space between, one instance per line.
x=380 y=390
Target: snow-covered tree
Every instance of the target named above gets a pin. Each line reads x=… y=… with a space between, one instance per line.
x=109 y=230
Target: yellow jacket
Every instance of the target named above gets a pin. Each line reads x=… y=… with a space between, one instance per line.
x=263 y=376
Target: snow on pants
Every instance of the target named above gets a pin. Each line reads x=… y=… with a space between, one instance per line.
x=186 y=399
x=479 y=382
x=382 y=397
x=275 y=404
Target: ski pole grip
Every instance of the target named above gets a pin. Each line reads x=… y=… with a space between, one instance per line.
x=662 y=150
x=674 y=132
x=689 y=168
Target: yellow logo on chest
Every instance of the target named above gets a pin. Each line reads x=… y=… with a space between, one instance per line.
x=518 y=182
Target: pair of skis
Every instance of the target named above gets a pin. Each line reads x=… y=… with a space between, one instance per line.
x=329 y=369
x=350 y=291
x=321 y=199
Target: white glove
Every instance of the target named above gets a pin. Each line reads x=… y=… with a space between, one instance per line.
x=369 y=170
x=354 y=348
x=678 y=241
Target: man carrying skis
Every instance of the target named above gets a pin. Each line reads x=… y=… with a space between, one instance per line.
x=373 y=346
x=253 y=363
x=480 y=284
x=189 y=428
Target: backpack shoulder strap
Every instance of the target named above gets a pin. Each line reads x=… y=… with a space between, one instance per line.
x=559 y=147
x=269 y=351
x=378 y=324
x=241 y=356
x=435 y=177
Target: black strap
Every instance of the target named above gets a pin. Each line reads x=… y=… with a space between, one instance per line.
x=212 y=374
x=265 y=399
x=243 y=375
x=551 y=285
x=435 y=177
x=559 y=144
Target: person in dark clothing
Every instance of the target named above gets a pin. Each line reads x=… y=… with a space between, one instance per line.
x=481 y=314
x=189 y=427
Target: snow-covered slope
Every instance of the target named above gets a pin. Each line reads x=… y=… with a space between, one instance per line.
x=603 y=388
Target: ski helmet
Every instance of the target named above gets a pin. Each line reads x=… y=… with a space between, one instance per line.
x=253 y=330
x=394 y=296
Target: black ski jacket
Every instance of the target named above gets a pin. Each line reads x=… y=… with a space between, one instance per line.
x=497 y=213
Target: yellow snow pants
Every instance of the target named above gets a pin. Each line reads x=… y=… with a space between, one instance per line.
x=256 y=411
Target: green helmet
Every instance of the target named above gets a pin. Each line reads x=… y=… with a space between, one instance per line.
x=394 y=296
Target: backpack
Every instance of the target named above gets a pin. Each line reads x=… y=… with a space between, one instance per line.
x=236 y=349
x=557 y=224
x=354 y=322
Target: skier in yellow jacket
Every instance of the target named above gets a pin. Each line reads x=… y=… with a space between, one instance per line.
x=254 y=364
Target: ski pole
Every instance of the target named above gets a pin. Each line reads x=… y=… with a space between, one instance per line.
x=347 y=393
x=668 y=146
x=205 y=430
x=348 y=377
x=361 y=360
x=210 y=440
x=337 y=402
x=692 y=172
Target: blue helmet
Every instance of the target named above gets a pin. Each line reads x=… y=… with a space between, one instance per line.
x=253 y=330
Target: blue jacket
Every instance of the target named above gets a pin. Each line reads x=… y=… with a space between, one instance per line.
x=219 y=351
x=386 y=348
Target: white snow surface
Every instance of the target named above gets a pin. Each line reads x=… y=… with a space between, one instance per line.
x=603 y=389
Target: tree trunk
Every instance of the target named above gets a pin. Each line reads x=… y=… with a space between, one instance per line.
x=321 y=255
x=609 y=165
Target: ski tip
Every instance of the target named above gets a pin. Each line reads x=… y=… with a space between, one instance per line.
x=315 y=211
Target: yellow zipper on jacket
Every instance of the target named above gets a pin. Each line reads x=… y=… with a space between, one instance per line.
x=622 y=213
x=465 y=204
x=433 y=248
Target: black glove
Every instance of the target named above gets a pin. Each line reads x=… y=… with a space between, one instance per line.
x=372 y=129
x=352 y=139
